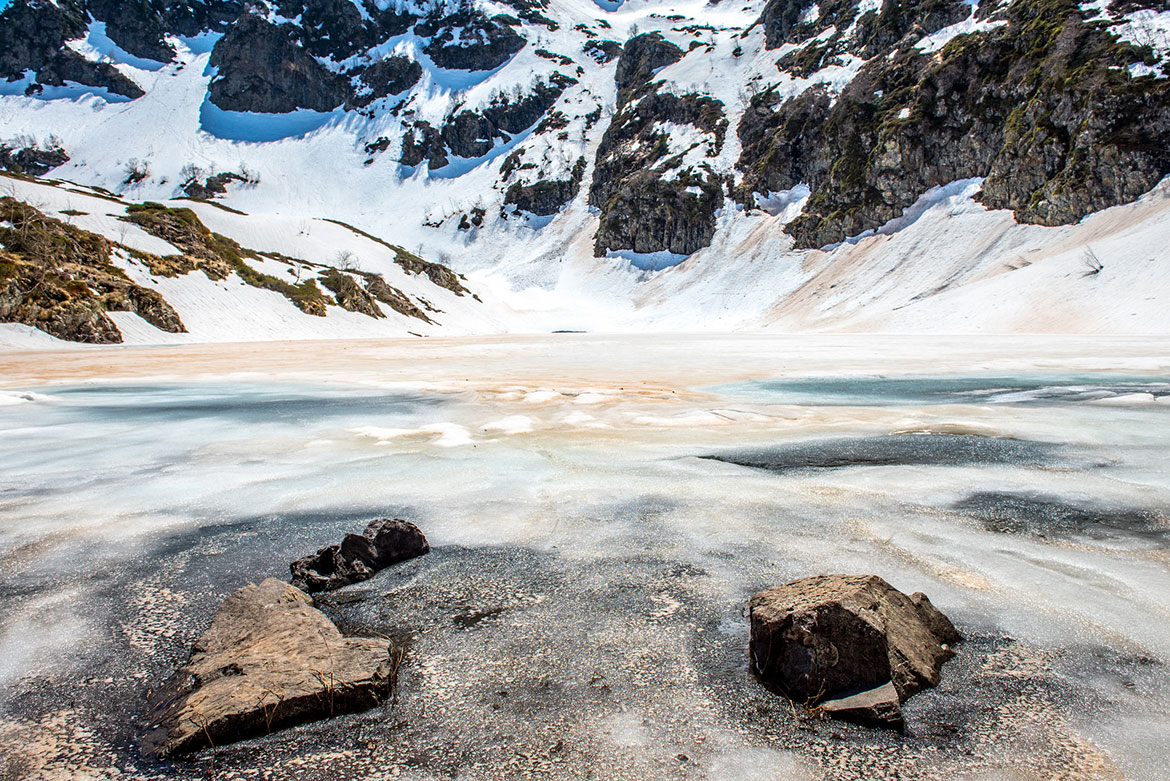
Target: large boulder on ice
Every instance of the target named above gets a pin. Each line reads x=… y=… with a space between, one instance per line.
x=851 y=643
x=385 y=541
x=269 y=660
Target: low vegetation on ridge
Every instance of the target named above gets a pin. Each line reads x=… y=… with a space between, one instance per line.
x=60 y=279
x=64 y=280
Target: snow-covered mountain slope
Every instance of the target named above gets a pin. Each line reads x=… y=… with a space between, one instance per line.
x=844 y=165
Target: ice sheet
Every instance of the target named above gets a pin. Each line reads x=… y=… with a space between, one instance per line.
x=589 y=566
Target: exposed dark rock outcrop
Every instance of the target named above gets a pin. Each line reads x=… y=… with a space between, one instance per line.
x=211 y=186
x=349 y=294
x=269 y=660
x=66 y=311
x=423 y=142
x=786 y=21
x=469 y=40
x=472 y=219
x=136 y=26
x=560 y=59
x=191 y=17
x=602 y=51
x=641 y=57
x=69 y=66
x=437 y=273
x=336 y=29
x=359 y=557
x=906 y=21
x=848 y=640
x=32 y=32
x=386 y=77
x=807 y=60
x=546 y=197
x=262 y=68
x=1042 y=107
x=471 y=134
x=784 y=142
x=634 y=143
x=32 y=38
x=647 y=203
x=649 y=214
x=797 y=21
x=1129 y=6
x=530 y=11
x=32 y=160
x=394 y=298
x=147 y=304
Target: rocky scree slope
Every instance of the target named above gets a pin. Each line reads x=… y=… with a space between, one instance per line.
x=1062 y=108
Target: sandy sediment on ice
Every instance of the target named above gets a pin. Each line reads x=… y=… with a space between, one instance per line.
x=554 y=364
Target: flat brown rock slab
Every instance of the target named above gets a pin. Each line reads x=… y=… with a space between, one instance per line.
x=878 y=707
x=830 y=636
x=269 y=660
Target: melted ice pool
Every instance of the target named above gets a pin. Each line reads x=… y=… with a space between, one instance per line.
x=594 y=548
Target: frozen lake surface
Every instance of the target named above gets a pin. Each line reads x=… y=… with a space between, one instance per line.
x=600 y=509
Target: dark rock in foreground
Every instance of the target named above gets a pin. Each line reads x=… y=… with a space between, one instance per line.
x=851 y=643
x=269 y=660
x=385 y=541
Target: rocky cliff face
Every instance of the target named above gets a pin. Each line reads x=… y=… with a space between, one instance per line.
x=136 y=26
x=1061 y=109
x=278 y=68
x=34 y=32
x=842 y=26
x=651 y=197
x=1043 y=105
x=33 y=36
x=469 y=40
x=545 y=197
x=263 y=68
